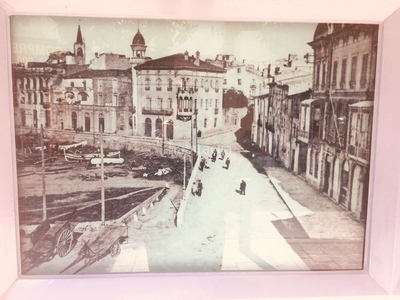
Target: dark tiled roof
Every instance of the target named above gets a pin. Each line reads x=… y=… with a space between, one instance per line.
x=89 y=73
x=178 y=62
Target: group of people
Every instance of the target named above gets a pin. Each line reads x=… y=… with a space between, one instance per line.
x=204 y=165
x=197 y=188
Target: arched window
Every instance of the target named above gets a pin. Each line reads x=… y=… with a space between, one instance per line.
x=87 y=122
x=101 y=123
x=74 y=120
x=159 y=131
x=47 y=118
x=169 y=85
x=196 y=82
x=170 y=103
x=148 y=103
x=34 y=98
x=160 y=104
x=206 y=86
x=23 y=117
x=147 y=127
x=216 y=86
x=147 y=84
x=41 y=98
x=35 y=118
x=158 y=86
x=186 y=104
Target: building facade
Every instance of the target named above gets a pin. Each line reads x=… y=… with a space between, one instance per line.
x=339 y=121
x=178 y=96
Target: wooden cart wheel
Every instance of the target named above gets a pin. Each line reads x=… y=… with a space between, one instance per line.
x=64 y=242
x=115 y=249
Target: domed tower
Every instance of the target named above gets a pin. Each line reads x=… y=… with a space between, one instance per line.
x=138 y=46
x=79 y=48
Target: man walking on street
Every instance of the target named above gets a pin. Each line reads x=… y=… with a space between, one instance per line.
x=199 y=188
x=227 y=163
x=243 y=188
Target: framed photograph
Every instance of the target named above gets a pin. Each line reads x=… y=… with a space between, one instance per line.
x=200 y=151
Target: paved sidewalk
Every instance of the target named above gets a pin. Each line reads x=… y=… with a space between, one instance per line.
x=334 y=238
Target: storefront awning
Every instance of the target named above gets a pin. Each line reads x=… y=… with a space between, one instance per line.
x=307 y=102
x=363 y=104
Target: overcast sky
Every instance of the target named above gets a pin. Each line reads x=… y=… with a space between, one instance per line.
x=34 y=37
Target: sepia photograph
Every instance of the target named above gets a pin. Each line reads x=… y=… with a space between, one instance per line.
x=191 y=146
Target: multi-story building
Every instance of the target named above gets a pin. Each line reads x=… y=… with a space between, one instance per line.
x=337 y=122
x=65 y=94
x=33 y=85
x=178 y=96
x=277 y=113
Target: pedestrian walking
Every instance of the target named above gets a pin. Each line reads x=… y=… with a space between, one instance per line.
x=214 y=155
x=222 y=154
x=194 y=189
x=199 y=188
x=202 y=163
x=243 y=188
x=227 y=163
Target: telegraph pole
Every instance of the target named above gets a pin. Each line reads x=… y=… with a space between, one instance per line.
x=43 y=175
x=103 y=202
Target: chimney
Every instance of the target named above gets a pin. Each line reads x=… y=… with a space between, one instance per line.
x=197 y=61
x=186 y=55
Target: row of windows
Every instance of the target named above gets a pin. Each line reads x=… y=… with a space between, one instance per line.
x=158 y=103
x=31 y=83
x=187 y=103
x=33 y=98
x=321 y=69
x=74 y=120
x=184 y=84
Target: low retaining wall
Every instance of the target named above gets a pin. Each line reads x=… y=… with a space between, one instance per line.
x=182 y=208
x=142 y=207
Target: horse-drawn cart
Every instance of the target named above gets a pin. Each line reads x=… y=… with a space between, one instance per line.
x=106 y=241
x=48 y=241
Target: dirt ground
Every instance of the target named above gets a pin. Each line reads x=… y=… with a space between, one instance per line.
x=69 y=185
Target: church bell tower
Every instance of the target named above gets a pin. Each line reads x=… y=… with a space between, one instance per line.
x=79 y=48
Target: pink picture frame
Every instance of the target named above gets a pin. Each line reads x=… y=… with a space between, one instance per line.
x=381 y=275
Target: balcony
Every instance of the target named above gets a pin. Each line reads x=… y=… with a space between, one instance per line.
x=169 y=89
x=185 y=114
x=158 y=89
x=252 y=86
x=342 y=85
x=352 y=84
x=157 y=111
x=358 y=152
x=216 y=110
x=147 y=88
x=184 y=90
